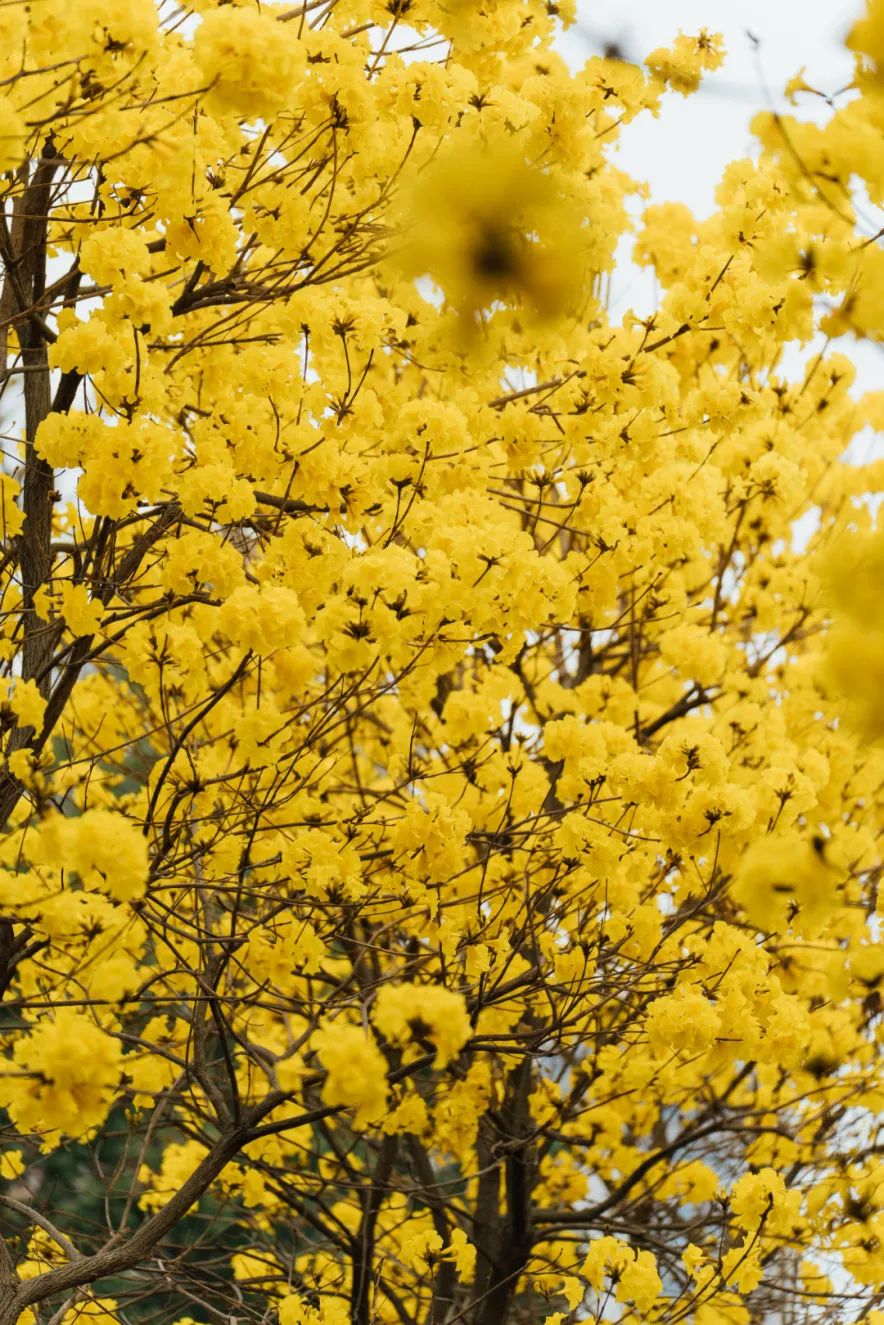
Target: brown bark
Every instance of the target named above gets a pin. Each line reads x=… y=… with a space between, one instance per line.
x=506 y=1233
x=26 y=278
x=9 y=1284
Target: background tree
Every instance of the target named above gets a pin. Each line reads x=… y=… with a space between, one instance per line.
x=439 y=872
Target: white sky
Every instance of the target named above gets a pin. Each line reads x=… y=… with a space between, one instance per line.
x=682 y=153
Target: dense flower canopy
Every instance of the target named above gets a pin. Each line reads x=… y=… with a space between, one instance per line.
x=442 y=781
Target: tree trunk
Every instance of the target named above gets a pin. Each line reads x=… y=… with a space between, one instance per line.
x=9 y=1282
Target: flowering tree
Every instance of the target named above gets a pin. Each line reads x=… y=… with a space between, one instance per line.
x=440 y=784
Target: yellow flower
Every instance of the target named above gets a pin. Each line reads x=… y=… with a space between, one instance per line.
x=355 y=1070
x=853 y=572
x=763 y=1197
x=94 y=1311
x=639 y=1282
x=69 y=1071
x=11 y=1165
x=112 y=253
x=419 y=1244
x=866 y=37
x=485 y=226
x=104 y=848
x=409 y=1116
x=11 y=515
x=262 y=619
x=784 y=876
x=294 y=1310
x=27 y=704
x=178 y=1161
x=634 y=1274
x=417 y=1015
x=685 y=1021
x=463 y=1253
x=251 y=62
x=81 y=613
x=682 y=67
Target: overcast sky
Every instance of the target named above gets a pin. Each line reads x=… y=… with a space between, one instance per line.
x=683 y=152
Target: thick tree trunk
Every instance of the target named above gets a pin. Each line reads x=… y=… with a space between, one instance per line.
x=503 y=1237
x=24 y=259
x=29 y=268
x=9 y=1283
